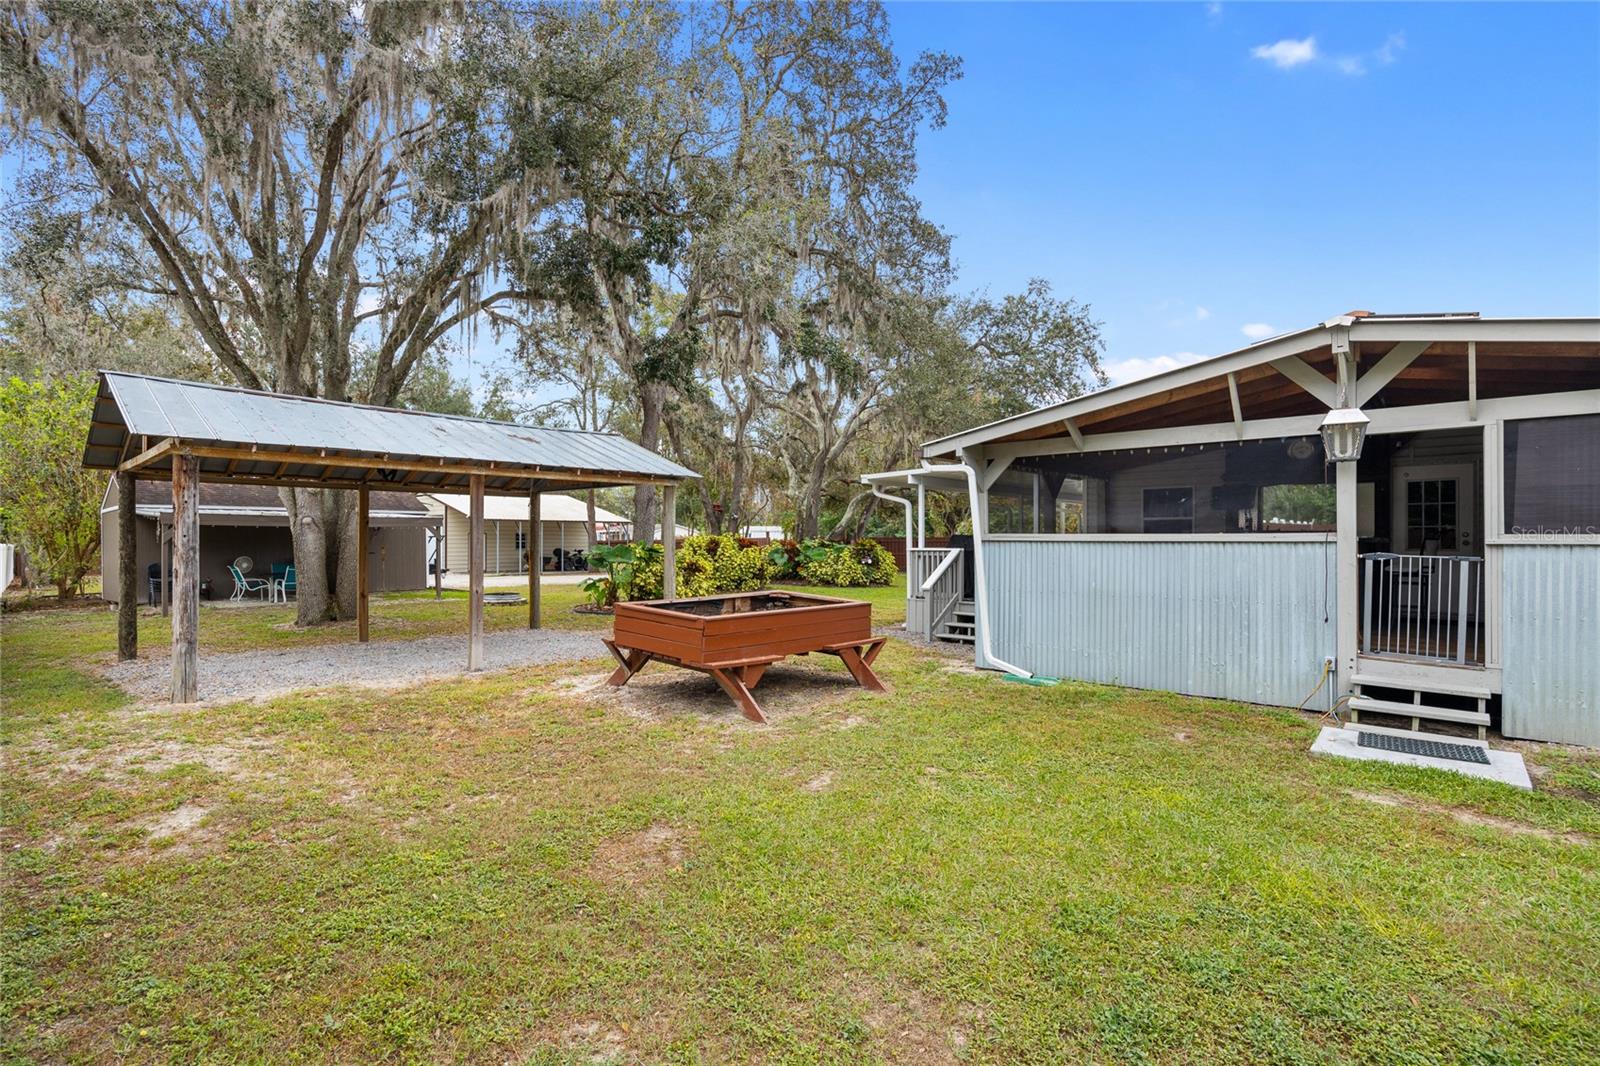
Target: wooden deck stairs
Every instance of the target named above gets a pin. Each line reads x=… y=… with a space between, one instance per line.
x=962 y=625
x=1436 y=701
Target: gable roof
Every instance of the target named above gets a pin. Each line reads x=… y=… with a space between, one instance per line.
x=1567 y=350
x=273 y=439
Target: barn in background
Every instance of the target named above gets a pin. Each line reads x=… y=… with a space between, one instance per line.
x=250 y=521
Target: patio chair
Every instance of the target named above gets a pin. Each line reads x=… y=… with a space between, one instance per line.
x=243 y=585
x=286 y=583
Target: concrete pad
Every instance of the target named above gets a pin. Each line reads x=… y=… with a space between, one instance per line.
x=1505 y=767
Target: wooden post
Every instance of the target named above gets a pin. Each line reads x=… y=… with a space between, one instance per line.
x=438 y=557
x=127 y=571
x=185 y=578
x=669 y=542
x=922 y=515
x=535 y=542
x=164 y=565
x=1346 y=562
x=475 y=575
x=363 y=512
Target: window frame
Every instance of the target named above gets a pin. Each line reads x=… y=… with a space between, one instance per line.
x=1144 y=512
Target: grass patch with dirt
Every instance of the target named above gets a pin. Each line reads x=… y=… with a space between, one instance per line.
x=528 y=866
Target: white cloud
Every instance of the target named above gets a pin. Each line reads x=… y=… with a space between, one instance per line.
x=1287 y=53
x=1214 y=11
x=1125 y=370
x=1290 y=53
x=1257 y=330
x=1201 y=314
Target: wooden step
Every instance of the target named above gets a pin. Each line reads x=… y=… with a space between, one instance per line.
x=1419 y=710
x=1476 y=692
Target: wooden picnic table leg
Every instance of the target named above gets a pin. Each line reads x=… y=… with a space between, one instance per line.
x=860 y=670
x=751 y=675
x=873 y=650
x=734 y=686
x=628 y=663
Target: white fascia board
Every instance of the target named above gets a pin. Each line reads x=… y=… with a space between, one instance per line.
x=1218 y=366
x=1433 y=330
x=1411 y=419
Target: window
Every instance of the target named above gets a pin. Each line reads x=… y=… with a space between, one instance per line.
x=1169 y=510
x=1553 y=476
x=1431 y=515
x=522 y=541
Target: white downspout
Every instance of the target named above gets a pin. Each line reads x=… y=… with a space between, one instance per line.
x=880 y=494
x=980 y=590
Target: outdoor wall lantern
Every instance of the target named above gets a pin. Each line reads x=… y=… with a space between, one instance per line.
x=1343 y=433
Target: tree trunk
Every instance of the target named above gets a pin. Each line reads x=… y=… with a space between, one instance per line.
x=307 y=529
x=594 y=533
x=343 y=522
x=652 y=397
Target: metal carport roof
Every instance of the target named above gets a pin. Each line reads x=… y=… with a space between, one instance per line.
x=267 y=438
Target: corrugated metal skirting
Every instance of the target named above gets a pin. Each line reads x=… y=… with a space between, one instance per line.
x=1550 y=642
x=1243 y=620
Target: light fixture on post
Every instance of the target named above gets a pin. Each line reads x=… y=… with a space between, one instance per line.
x=1343 y=433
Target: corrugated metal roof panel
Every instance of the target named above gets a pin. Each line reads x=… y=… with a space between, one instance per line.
x=224 y=415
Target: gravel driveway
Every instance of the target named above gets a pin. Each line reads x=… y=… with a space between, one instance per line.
x=389 y=664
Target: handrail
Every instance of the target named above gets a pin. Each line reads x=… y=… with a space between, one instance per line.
x=949 y=559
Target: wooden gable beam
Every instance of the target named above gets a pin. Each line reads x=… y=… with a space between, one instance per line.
x=1303 y=374
x=1233 y=398
x=1387 y=369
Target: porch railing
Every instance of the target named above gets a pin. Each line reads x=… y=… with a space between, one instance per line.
x=1422 y=606
x=934 y=580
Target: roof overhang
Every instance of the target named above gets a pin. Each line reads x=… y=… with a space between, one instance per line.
x=1411 y=359
x=140 y=424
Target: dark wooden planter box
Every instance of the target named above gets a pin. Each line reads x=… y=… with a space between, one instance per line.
x=736 y=636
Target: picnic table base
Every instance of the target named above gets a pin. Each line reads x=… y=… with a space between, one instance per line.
x=737 y=677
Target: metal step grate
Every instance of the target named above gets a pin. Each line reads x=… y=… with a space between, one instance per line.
x=1433 y=749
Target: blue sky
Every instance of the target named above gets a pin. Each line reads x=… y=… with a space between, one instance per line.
x=1192 y=171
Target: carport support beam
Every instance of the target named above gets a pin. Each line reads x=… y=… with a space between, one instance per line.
x=669 y=542
x=185 y=578
x=127 y=572
x=475 y=574
x=363 y=515
x=535 y=557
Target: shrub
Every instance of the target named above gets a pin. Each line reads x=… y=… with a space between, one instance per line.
x=707 y=565
x=623 y=563
x=866 y=562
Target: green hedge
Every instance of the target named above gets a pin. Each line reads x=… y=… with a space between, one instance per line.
x=866 y=562
x=708 y=565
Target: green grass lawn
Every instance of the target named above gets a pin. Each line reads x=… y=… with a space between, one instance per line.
x=519 y=867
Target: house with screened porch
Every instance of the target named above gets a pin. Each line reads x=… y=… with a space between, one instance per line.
x=1407 y=505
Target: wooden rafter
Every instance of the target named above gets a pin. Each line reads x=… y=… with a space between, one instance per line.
x=156 y=451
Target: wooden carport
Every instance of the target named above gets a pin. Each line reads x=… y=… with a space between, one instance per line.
x=148 y=428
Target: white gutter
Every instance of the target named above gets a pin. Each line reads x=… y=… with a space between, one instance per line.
x=876 y=491
x=980 y=590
